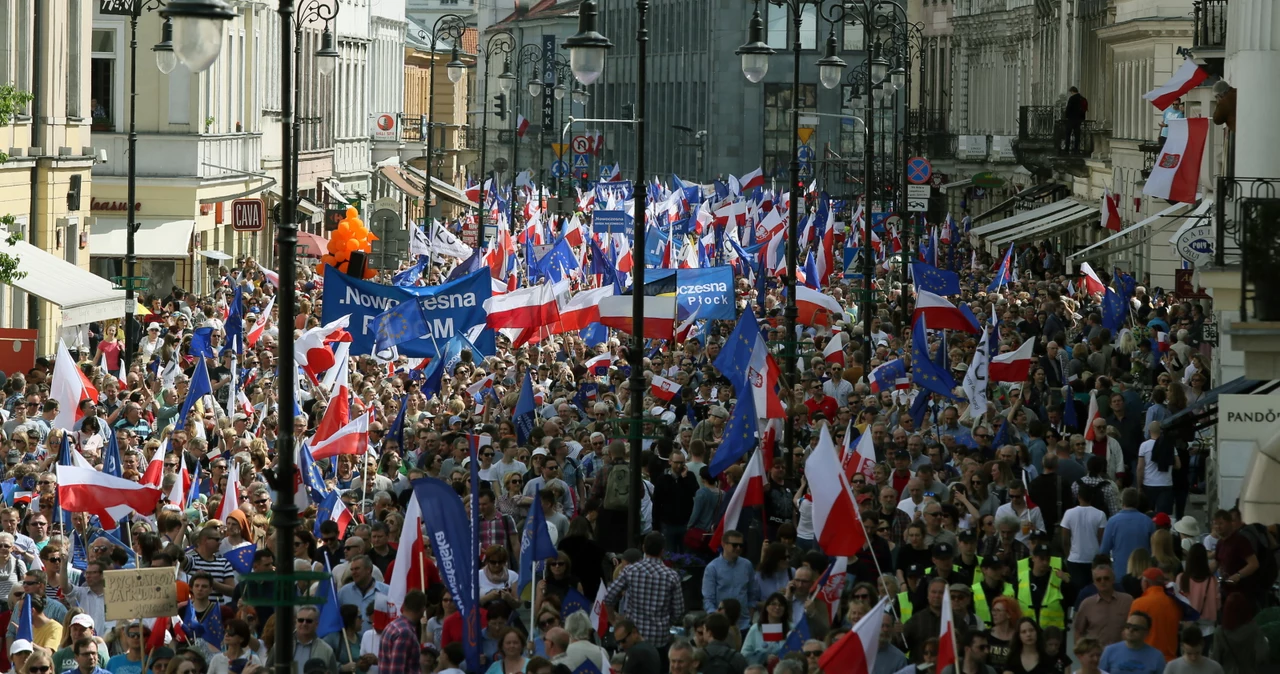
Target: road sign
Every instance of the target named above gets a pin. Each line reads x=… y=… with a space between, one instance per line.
x=917 y=205
x=937 y=180
x=581 y=161
x=248 y=215
x=918 y=170
x=918 y=191
x=581 y=145
x=606 y=171
x=805 y=153
x=559 y=168
x=891 y=221
x=806 y=169
x=559 y=149
x=805 y=133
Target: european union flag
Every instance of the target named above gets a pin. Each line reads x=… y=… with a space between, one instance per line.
x=799 y=634
x=1114 y=310
x=411 y=275
x=924 y=372
x=210 y=627
x=194 y=492
x=241 y=558
x=885 y=377
x=919 y=408
x=111 y=457
x=397 y=425
x=937 y=281
x=572 y=603
x=594 y=335
x=588 y=666
x=1125 y=284
x=312 y=478
x=524 y=412
x=8 y=487
x=811 y=273
x=739 y=436
x=330 y=612
x=469 y=265
x=25 y=631
x=557 y=262
x=601 y=262
x=1002 y=275
x=399 y=324
x=586 y=396
x=233 y=327
x=535 y=542
x=453 y=352
x=433 y=378
x=202 y=343
x=198 y=388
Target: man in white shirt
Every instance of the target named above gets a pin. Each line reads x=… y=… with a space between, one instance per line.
x=838 y=387
x=1017 y=508
x=1082 y=528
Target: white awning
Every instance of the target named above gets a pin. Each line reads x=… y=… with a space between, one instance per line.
x=1193 y=219
x=83 y=297
x=161 y=239
x=956 y=185
x=1172 y=211
x=444 y=189
x=1034 y=215
x=335 y=190
x=1050 y=225
x=308 y=208
x=213 y=254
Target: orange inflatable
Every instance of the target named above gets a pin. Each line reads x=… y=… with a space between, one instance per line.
x=350 y=237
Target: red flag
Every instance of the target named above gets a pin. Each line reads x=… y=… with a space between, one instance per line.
x=855 y=652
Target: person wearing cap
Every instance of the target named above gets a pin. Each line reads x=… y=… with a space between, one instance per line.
x=991 y=585
x=1164 y=611
x=962 y=607
x=966 y=560
x=901 y=475
x=942 y=556
x=711 y=430
x=1030 y=518
x=1040 y=590
x=19 y=651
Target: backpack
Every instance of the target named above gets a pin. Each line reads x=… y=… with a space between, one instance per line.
x=617 y=493
x=1267 y=571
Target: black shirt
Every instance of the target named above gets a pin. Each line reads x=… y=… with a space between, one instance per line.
x=642 y=658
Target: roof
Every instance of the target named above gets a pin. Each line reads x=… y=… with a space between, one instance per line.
x=417 y=37
x=542 y=9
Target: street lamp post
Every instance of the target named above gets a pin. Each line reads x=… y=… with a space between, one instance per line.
x=529 y=54
x=453 y=27
x=500 y=43
x=326 y=61
x=166 y=61
x=560 y=92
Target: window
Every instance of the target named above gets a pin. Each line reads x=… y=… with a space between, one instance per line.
x=73 y=58
x=102 y=80
x=777 y=124
x=778 y=28
x=854 y=37
x=779 y=20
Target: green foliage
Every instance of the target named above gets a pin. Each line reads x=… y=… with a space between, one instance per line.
x=12 y=101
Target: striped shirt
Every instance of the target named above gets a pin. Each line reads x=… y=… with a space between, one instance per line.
x=216 y=566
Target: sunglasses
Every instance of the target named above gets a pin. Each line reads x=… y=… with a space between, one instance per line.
x=306 y=621
x=549 y=622
x=813 y=654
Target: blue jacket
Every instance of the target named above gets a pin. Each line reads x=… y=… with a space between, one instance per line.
x=722 y=580
x=1126 y=531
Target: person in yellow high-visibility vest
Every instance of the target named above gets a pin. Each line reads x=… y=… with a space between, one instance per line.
x=991 y=585
x=1040 y=590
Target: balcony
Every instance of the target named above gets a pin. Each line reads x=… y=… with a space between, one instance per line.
x=1042 y=139
x=1210 y=40
x=181 y=155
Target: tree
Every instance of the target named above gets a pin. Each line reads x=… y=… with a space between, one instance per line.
x=12 y=101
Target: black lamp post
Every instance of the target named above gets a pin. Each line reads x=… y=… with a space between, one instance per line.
x=326 y=62
x=529 y=54
x=453 y=27
x=500 y=43
x=166 y=61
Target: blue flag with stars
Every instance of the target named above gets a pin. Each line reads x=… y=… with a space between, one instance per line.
x=924 y=372
x=1114 y=310
x=111 y=457
x=523 y=419
x=312 y=478
x=1002 y=275
x=233 y=327
x=535 y=542
x=411 y=275
x=739 y=436
x=241 y=558
x=399 y=324
x=556 y=263
x=197 y=389
x=330 y=612
x=937 y=281
x=202 y=343
x=211 y=626
x=397 y=425
x=573 y=602
x=799 y=634
x=588 y=666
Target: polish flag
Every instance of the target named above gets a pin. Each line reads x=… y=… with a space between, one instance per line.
x=231 y=499
x=155 y=469
x=664 y=388
x=772 y=632
x=815 y=308
x=524 y=308
x=312 y=351
x=659 y=315
x=1089 y=418
x=473 y=192
x=522 y=125
x=835 y=516
x=1012 y=366
x=120 y=377
x=69 y=387
x=273 y=277
x=573 y=232
x=1162 y=341
x=600 y=365
x=769 y=443
x=948 y=653
x=855 y=652
x=1092 y=282
x=350 y=439
x=1111 y=211
x=826 y=252
x=583 y=309
x=600 y=614
x=859 y=458
x=834 y=350
x=752 y=180
x=108 y=497
x=1176 y=174
x=940 y=314
x=750 y=492
x=407 y=572
x=1188 y=77
x=260 y=324
x=831 y=585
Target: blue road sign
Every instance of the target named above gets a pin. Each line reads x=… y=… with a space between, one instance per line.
x=559 y=169
x=606 y=171
x=806 y=169
x=805 y=153
x=581 y=161
x=919 y=170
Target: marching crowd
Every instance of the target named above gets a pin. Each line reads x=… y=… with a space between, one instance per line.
x=1054 y=523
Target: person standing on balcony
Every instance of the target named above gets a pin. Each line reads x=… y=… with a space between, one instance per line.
x=1077 y=109
x=1172 y=112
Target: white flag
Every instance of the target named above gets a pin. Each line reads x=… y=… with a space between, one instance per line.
x=975 y=379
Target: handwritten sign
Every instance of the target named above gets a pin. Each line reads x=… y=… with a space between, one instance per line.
x=140 y=593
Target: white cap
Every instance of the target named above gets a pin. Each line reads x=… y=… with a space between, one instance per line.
x=83 y=620
x=541 y=451
x=20 y=646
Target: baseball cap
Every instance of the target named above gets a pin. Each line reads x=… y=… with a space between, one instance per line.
x=1041 y=550
x=541 y=451
x=961 y=587
x=20 y=646
x=967 y=535
x=1154 y=574
x=632 y=555
x=83 y=620
x=943 y=550
x=1162 y=520
x=902 y=454
x=992 y=562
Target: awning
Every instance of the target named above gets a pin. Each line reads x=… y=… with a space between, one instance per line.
x=402 y=183
x=335 y=190
x=160 y=239
x=444 y=189
x=1052 y=225
x=1095 y=250
x=213 y=254
x=1033 y=215
x=83 y=297
x=1033 y=192
x=1204 y=412
x=309 y=208
x=956 y=185
x=267 y=184
x=1194 y=219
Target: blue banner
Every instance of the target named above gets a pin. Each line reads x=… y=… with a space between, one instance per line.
x=707 y=291
x=456 y=307
x=611 y=222
x=447 y=523
x=620 y=190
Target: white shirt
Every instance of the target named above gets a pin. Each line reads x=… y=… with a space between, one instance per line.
x=1084 y=523
x=1152 y=476
x=1031 y=515
x=910 y=507
x=840 y=389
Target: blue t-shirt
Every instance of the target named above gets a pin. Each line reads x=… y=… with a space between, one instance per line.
x=1126 y=531
x=121 y=664
x=1120 y=659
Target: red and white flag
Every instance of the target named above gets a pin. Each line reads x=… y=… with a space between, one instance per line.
x=659 y=315
x=312 y=351
x=273 y=277
x=830 y=586
x=600 y=365
x=1092 y=282
x=350 y=439
x=524 y=308
x=108 y=497
x=260 y=324
x=1111 y=211
x=752 y=180
x=772 y=632
x=750 y=492
x=664 y=388
x=833 y=352
x=836 y=525
x=407 y=574
x=1188 y=77
x=600 y=614
x=858 y=458
x=1162 y=341
x=940 y=314
x=583 y=309
x=154 y=472
x=69 y=387
x=815 y=308
x=1012 y=366
x=1091 y=416
x=948 y=653
x=522 y=125
x=231 y=499
x=1176 y=174
x=855 y=652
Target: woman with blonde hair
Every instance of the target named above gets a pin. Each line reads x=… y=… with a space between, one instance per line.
x=1139 y=560
x=39 y=662
x=1162 y=551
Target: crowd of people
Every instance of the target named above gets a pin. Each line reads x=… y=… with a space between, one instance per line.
x=1060 y=537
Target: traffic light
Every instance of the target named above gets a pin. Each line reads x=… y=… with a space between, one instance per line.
x=500 y=106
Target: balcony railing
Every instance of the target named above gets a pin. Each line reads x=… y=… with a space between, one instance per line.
x=1039 y=124
x=1210 y=24
x=940 y=145
x=927 y=119
x=410 y=128
x=1247 y=222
